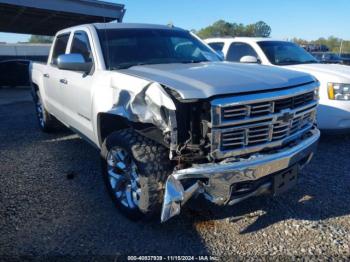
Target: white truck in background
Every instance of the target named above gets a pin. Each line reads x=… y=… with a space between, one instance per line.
x=334 y=106
x=171 y=120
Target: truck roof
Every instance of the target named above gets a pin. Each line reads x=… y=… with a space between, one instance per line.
x=115 y=25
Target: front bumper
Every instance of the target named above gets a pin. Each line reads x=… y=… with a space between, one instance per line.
x=333 y=115
x=220 y=177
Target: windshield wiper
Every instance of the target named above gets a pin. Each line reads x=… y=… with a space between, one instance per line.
x=126 y=66
x=193 y=61
x=296 y=62
x=288 y=62
x=310 y=62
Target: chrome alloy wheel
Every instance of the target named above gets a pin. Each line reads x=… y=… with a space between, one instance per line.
x=123 y=177
x=40 y=110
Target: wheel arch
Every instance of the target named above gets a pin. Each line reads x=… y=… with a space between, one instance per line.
x=37 y=85
x=108 y=123
x=34 y=89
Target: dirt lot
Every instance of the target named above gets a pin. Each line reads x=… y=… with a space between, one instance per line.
x=53 y=203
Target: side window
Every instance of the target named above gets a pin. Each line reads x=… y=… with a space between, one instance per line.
x=238 y=50
x=185 y=49
x=60 y=47
x=81 y=45
x=217 y=46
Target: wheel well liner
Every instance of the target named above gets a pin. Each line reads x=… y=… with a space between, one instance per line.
x=108 y=123
x=33 y=90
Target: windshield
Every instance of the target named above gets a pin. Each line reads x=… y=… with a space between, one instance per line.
x=124 y=48
x=317 y=56
x=286 y=53
x=331 y=56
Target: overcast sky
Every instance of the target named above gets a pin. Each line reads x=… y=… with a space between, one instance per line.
x=308 y=19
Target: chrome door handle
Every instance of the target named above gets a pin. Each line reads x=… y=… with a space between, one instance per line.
x=64 y=81
x=47 y=75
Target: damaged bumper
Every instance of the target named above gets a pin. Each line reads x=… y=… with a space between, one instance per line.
x=220 y=177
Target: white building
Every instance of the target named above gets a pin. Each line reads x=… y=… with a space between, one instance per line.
x=25 y=51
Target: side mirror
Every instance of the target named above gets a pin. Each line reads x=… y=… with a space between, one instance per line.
x=249 y=59
x=73 y=62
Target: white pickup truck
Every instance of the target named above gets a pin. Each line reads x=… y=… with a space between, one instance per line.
x=171 y=120
x=334 y=109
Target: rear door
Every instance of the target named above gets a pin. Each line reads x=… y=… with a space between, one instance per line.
x=52 y=77
x=76 y=93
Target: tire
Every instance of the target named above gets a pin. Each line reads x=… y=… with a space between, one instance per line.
x=46 y=121
x=147 y=167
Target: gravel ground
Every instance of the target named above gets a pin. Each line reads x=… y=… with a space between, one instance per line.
x=53 y=203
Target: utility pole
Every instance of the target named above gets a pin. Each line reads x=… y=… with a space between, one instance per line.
x=341 y=48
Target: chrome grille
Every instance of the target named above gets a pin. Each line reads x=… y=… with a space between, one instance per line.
x=262 y=133
x=235 y=112
x=264 y=108
x=250 y=123
x=261 y=109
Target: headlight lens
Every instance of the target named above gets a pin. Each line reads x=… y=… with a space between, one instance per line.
x=317 y=93
x=338 y=91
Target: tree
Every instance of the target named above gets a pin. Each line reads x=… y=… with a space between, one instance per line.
x=219 y=28
x=261 y=29
x=333 y=43
x=299 y=41
x=36 y=39
x=222 y=28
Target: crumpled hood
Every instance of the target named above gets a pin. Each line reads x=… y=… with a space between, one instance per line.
x=204 y=80
x=331 y=72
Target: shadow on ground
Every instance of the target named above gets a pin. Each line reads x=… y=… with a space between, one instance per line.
x=323 y=192
x=54 y=202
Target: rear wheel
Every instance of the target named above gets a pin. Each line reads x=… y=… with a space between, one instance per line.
x=47 y=122
x=134 y=170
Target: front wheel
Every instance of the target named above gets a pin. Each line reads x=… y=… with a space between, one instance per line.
x=135 y=169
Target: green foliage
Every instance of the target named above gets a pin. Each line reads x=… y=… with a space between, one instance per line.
x=261 y=29
x=36 y=39
x=333 y=43
x=222 y=28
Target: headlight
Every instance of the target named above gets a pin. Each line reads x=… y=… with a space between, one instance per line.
x=317 y=93
x=338 y=91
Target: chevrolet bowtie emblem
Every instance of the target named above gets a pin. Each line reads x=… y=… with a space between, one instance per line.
x=286 y=117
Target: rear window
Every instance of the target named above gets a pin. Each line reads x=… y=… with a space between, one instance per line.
x=217 y=46
x=60 y=47
x=239 y=50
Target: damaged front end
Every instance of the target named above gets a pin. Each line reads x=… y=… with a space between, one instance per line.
x=224 y=175
x=148 y=104
x=257 y=143
x=227 y=148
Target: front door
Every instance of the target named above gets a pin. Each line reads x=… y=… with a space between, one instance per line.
x=76 y=90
